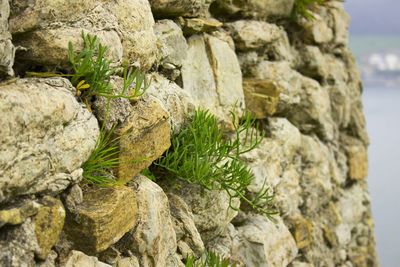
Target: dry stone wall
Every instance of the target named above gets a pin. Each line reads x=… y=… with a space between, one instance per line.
x=296 y=76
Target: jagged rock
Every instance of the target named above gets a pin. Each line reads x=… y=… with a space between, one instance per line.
x=252 y=8
x=48 y=223
x=222 y=244
x=173 y=98
x=261 y=242
x=55 y=135
x=126 y=25
x=262 y=97
x=6 y=47
x=184 y=225
x=214 y=80
x=18 y=244
x=192 y=26
x=176 y=8
x=144 y=137
x=102 y=218
x=341 y=23
x=18 y=213
x=35 y=237
x=173 y=46
x=79 y=259
x=153 y=239
x=318 y=29
x=210 y=208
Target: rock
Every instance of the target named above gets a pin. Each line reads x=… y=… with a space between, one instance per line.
x=153 y=239
x=357 y=159
x=318 y=29
x=341 y=23
x=144 y=137
x=176 y=8
x=55 y=135
x=262 y=97
x=173 y=46
x=128 y=262
x=252 y=8
x=184 y=225
x=263 y=243
x=127 y=25
x=49 y=222
x=18 y=213
x=102 y=218
x=222 y=244
x=173 y=98
x=6 y=47
x=210 y=208
x=78 y=259
x=302 y=232
x=18 y=244
x=252 y=34
x=192 y=26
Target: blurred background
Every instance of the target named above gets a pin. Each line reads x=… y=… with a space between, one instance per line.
x=375 y=41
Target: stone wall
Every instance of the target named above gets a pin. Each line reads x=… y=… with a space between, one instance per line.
x=297 y=77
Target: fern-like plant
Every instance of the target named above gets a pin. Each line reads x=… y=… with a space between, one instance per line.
x=92 y=72
x=202 y=154
x=210 y=259
x=302 y=8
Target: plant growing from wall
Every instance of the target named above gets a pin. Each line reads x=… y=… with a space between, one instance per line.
x=202 y=154
x=210 y=259
x=302 y=8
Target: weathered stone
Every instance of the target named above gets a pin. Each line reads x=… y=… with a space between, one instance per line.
x=55 y=135
x=6 y=47
x=357 y=159
x=222 y=244
x=264 y=243
x=18 y=213
x=79 y=259
x=317 y=29
x=252 y=34
x=252 y=8
x=176 y=8
x=48 y=222
x=341 y=23
x=18 y=244
x=102 y=218
x=153 y=239
x=173 y=46
x=173 y=98
x=128 y=262
x=302 y=232
x=144 y=137
x=262 y=97
x=131 y=22
x=184 y=225
x=192 y=26
x=210 y=208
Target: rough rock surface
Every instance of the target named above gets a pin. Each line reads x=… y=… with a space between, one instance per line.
x=6 y=47
x=33 y=160
x=102 y=218
x=153 y=238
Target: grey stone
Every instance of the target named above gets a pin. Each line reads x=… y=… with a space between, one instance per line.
x=78 y=259
x=7 y=50
x=46 y=136
x=176 y=8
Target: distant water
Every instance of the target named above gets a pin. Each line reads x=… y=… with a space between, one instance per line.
x=382 y=108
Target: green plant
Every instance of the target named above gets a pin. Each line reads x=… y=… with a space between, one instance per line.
x=210 y=259
x=202 y=154
x=92 y=72
x=98 y=168
x=302 y=8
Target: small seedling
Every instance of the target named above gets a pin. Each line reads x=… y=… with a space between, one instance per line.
x=209 y=259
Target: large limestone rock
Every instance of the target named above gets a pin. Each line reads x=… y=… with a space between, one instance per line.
x=6 y=46
x=214 y=80
x=102 y=218
x=263 y=243
x=144 y=137
x=153 y=238
x=46 y=136
x=252 y=8
x=126 y=24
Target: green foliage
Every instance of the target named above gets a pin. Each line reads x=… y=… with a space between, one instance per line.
x=203 y=155
x=98 y=168
x=302 y=8
x=92 y=72
x=210 y=259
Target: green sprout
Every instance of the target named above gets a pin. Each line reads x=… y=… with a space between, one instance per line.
x=210 y=259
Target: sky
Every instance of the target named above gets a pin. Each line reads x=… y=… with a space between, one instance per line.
x=380 y=17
